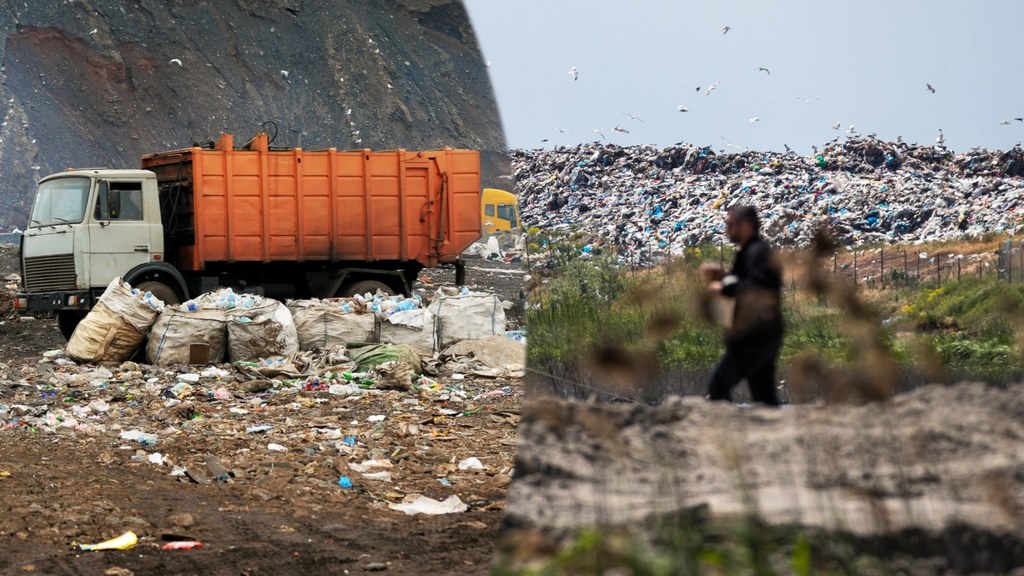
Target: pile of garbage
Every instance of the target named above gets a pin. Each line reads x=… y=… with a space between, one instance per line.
x=644 y=202
x=247 y=327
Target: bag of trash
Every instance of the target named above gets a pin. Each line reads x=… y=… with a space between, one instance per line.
x=466 y=316
x=188 y=337
x=261 y=330
x=367 y=357
x=412 y=327
x=322 y=324
x=117 y=324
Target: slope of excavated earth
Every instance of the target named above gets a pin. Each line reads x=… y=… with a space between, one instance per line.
x=101 y=82
x=936 y=461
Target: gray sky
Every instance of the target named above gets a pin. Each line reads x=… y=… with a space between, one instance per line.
x=868 y=62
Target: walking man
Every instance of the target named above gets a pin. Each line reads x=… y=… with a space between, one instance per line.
x=754 y=338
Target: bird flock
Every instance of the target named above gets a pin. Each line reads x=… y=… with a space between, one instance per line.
x=709 y=89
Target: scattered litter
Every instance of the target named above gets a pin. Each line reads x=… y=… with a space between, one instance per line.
x=125 y=541
x=276 y=447
x=139 y=436
x=182 y=545
x=471 y=463
x=345 y=482
x=429 y=506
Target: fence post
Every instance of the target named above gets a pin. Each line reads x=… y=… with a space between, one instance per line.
x=938 y=270
x=854 y=267
x=1009 y=262
x=919 y=268
x=906 y=271
x=881 y=256
x=835 y=256
x=957 y=267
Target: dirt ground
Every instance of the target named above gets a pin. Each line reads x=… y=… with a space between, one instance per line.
x=68 y=476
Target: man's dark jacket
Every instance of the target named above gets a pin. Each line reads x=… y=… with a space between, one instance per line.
x=755 y=281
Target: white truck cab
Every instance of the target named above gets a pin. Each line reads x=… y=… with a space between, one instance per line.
x=87 y=227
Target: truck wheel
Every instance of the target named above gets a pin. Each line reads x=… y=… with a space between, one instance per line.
x=160 y=290
x=364 y=286
x=67 y=321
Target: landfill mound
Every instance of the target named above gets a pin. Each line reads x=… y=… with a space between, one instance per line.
x=100 y=83
x=927 y=460
x=648 y=202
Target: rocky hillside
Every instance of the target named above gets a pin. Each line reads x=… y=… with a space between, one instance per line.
x=100 y=82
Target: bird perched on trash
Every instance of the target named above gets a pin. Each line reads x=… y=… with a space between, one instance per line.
x=598 y=132
x=930 y=88
x=284 y=74
x=175 y=61
x=712 y=88
x=941 y=138
x=682 y=108
x=763 y=69
x=754 y=119
x=725 y=29
x=574 y=73
x=94 y=30
x=618 y=128
x=631 y=117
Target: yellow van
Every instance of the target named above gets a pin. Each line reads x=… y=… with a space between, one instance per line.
x=498 y=211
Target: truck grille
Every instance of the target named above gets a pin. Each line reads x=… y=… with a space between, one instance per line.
x=56 y=272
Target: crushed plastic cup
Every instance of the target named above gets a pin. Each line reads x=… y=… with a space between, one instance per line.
x=345 y=482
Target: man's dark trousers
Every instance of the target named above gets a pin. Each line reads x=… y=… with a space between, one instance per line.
x=754 y=363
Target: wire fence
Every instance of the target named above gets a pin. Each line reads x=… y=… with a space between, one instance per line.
x=874 y=268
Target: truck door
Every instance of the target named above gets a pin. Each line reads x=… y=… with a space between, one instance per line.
x=119 y=232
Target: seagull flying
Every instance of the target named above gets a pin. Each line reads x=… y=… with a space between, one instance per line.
x=175 y=61
x=682 y=108
x=1019 y=119
x=620 y=129
x=930 y=88
x=838 y=126
x=572 y=72
x=631 y=117
x=711 y=88
x=725 y=29
x=754 y=119
x=763 y=69
x=698 y=88
x=598 y=132
x=1004 y=123
x=488 y=64
x=731 y=145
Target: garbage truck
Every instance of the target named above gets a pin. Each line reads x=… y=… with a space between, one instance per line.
x=285 y=223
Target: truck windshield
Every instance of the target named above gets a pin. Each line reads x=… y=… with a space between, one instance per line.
x=60 y=201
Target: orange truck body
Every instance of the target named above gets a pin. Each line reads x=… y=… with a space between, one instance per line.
x=260 y=205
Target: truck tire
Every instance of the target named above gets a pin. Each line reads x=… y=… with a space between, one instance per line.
x=364 y=286
x=67 y=321
x=160 y=290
